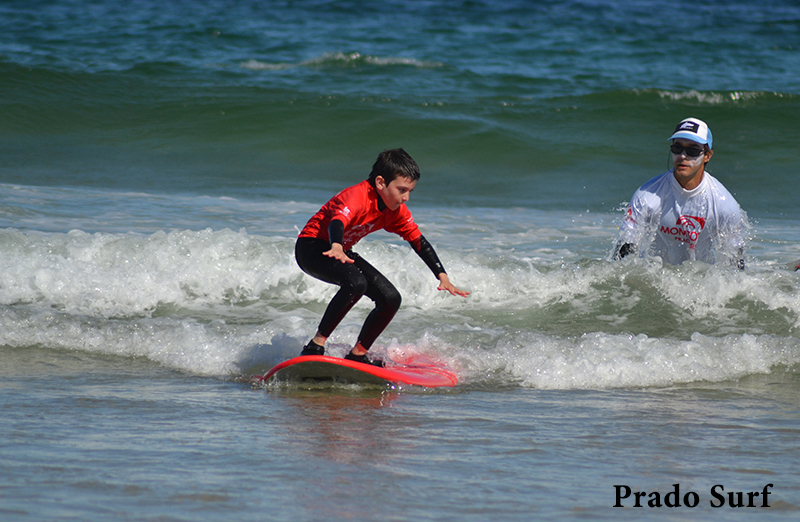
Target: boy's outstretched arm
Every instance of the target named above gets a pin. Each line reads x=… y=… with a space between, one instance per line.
x=428 y=254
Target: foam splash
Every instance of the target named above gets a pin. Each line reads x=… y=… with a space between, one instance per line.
x=592 y=361
x=600 y=361
x=124 y=275
x=228 y=303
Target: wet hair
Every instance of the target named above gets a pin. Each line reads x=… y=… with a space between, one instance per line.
x=393 y=163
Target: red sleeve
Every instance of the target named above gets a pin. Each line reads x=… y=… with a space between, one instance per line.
x=343 y=206
x=340 y=207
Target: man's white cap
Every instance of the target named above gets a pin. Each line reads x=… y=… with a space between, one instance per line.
x=695 y=130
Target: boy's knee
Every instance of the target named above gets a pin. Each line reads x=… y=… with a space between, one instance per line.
x=358 y=285
x=393 y=299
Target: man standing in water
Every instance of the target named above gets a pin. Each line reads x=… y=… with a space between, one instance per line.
x=684 y=213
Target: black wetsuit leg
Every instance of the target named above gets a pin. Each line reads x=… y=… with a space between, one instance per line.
x=355 y=280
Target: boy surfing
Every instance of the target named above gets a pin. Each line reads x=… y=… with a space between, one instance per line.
x=324 y=250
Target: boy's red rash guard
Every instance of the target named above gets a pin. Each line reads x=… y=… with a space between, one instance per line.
x=357 y=211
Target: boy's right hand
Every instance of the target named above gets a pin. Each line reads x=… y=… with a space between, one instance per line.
x=337 y=252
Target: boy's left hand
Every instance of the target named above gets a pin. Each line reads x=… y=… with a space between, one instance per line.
x=445 y=284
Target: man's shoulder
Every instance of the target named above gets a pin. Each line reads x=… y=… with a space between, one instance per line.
x=722 y=195
x=653 y=190
x=656 y=182
x=717 y=184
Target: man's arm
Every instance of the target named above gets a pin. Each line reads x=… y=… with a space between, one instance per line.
x=624 y=250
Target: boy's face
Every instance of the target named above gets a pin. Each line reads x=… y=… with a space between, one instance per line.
x=395 y=193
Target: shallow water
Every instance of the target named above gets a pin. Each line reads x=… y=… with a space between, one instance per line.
x=91 y=435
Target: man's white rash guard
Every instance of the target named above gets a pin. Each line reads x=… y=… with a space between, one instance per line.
x=666 y=220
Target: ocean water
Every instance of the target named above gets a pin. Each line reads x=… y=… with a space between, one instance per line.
x=158 y=159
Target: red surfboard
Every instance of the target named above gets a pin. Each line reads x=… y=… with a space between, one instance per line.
x=416 y=371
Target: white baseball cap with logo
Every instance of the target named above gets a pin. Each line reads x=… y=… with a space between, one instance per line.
x=694 y=130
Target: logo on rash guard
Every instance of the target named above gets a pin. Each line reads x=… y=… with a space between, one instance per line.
x=629 y=216
x=687 y=229
x=355 y=234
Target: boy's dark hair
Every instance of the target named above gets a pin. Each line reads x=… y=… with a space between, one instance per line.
x=392 y=163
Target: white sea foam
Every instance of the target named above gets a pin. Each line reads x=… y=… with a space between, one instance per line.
x=223 y=302
x=712 y=98
x=112 y=275
x=601 y=360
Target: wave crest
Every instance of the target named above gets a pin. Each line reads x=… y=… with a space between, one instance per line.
x=340 y=59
